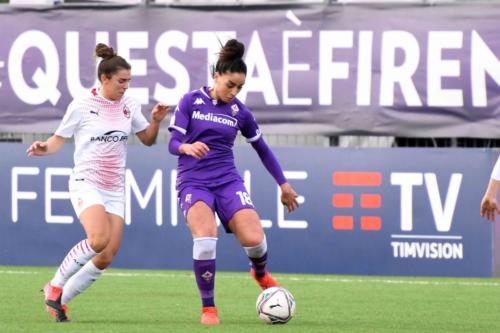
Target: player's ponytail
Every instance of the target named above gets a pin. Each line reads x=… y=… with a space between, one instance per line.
x=111 y=62
x=231 y=58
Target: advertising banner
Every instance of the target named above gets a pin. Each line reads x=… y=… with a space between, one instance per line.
x=404 y=70
x=363 y=211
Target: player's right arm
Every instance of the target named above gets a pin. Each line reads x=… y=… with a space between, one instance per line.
x=66 y=129
x=489 y=205
x=179 y=123
x=197 y=149
x=41 y=148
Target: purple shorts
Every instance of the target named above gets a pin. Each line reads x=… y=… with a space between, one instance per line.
x=225 y=199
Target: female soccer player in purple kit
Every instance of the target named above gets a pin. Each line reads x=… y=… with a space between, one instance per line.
x=204 y=127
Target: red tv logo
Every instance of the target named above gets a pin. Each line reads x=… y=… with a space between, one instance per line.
x=367 y=201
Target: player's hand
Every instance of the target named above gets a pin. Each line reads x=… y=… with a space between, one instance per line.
x=159 y=112
x=489 y=207
x=289 y=197
x=197 y=149
x=37 y=148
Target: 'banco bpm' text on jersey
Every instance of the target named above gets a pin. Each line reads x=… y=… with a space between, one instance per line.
x=101 y=128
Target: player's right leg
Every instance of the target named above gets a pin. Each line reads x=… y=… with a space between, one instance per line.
x=97 y=227
x=201 y=221
x=204 y=249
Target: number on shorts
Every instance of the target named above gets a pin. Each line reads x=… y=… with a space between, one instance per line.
x=244 y=198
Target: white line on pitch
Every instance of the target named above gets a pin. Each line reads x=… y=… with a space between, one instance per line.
x=367 y=280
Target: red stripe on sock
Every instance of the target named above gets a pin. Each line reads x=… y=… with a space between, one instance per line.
x=87 y=245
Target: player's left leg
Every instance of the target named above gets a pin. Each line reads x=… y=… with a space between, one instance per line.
x=246 y=226
x=93 y=269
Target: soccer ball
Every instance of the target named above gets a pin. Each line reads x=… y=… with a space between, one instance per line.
x=275 y=305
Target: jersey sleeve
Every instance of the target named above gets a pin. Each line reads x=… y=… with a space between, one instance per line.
x=139 y=122
x=70 y=121
x=180 y=119
x=495 y=174
x=248 y=127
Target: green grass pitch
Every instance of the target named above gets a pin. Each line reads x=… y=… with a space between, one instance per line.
x=149 y=301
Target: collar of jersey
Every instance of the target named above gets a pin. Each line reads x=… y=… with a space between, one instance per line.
x=104 y=98
x=204 y=90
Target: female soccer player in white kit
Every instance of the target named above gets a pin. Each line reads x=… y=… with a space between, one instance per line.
x=101 y=123
x=489 y=204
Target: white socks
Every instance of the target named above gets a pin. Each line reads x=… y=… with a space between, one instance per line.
x=204 y=248
x=257 y=251
x=80 y=281
x=76 y=258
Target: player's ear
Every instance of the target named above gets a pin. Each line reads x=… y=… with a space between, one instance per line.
x=216 y=76
x=105 y=78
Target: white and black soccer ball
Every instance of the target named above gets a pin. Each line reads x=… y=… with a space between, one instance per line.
x=275 y=305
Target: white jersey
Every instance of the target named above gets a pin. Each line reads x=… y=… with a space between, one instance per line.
x=101 y=128
x=495 y=174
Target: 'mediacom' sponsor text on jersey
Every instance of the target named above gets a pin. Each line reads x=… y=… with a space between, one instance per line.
x=215 y=118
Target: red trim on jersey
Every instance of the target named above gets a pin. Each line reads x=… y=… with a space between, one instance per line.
x=94 y=91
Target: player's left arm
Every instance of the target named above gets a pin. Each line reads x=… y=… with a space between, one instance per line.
x=489 y=205
x=288 y=194
x=149 y=134
x=251 y=131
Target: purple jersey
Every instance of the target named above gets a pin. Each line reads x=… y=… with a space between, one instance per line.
x=215 y=123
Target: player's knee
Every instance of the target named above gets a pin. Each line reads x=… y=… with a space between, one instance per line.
x=98 y=242
x=257 y=247
x=252 y=238
x=202 y=230
x=103 y=260
x=204 y=248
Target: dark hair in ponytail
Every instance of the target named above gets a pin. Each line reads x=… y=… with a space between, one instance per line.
x=111 y=62
x=231 y=58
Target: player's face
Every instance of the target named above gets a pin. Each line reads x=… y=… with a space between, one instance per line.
x=114 y=87
x=228 y=85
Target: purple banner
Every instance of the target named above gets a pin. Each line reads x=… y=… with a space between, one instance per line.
x=407 y=70
x=363 y=211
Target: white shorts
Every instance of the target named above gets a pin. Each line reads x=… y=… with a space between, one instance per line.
x=84 y=195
